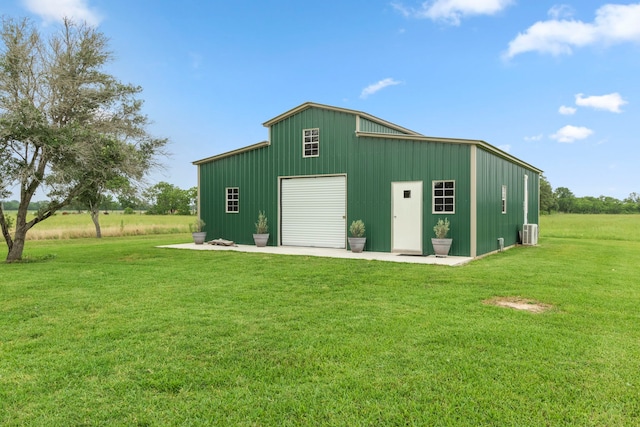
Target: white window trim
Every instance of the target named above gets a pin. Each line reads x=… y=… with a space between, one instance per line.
x=504 y=199
x=227 y=200
x=304 y=143
x=433 y=197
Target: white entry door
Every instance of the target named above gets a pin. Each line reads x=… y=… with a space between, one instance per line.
x=313 y=211
x=406 y=217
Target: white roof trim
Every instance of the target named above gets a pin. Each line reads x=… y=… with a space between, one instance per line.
x=232 y=153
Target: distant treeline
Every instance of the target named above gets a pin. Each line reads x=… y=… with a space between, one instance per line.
x=12 y=205
x=164 y=198
x=160 y=199
x=107 y=205
x=563 y=200
x=599 y=205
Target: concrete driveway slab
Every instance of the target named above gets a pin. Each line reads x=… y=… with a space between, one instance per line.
x=328 y=253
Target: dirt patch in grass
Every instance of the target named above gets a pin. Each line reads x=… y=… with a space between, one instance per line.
x=518 y=303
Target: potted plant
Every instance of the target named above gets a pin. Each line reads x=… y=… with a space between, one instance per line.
x=196 y=231
x=441 y=244
x=357 y=239
x=261 y=235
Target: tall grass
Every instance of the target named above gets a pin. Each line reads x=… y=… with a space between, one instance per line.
x=71 y=225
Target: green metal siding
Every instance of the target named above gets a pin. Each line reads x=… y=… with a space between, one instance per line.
x=370 y=164
x=256 y=172
x=243 y=171
x=369 y=126
x=492 y=173
x=377 y=162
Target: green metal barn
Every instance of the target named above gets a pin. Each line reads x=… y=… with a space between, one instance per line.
x=325 y=166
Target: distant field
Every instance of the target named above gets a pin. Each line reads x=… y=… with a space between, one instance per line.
x=70 y=225
x=599 y=227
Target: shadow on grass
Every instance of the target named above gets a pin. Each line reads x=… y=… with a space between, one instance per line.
x=33 y=259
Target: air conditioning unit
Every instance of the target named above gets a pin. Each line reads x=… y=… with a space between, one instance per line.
x=530 y=234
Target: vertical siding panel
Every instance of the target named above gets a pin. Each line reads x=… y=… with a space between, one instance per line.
x=493 y=173
x=386 y=161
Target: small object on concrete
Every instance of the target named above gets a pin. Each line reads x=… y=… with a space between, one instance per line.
x=221 y=242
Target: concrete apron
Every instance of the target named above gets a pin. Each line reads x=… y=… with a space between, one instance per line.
x=328 y=253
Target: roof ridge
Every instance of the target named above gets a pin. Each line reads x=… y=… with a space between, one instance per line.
x=309 y=104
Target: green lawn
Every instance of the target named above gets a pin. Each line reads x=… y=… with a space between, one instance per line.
x=118 y=332
x=607 y=227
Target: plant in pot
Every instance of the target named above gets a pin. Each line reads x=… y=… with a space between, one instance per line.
x=196 y=231
x=441 y=244
x=357 y=239
x=261 y=235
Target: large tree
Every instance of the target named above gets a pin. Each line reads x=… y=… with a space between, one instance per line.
x=167 y=199
x=565 y=199
x=548 y=201
x=632 y=203
x=116 y=166
x=67 y=128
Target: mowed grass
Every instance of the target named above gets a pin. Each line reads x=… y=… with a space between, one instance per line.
x=119 y=332
x=598 y=227
x=72 y=225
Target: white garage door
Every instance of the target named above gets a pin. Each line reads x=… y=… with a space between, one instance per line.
x=314 y=212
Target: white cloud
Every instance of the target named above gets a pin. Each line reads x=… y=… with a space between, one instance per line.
x=561 y=11
x=55 y=10
x=571 y=133
x=554 y=37
x=611 y=102
x=402 y=9
x=452 y=11
x=506 y=148
x=567 y=111
x=613 y=24
x=533 y=138
x=373 y=88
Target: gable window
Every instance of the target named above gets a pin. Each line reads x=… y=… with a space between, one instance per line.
x=233 y=200
x=311 y=142
x=504 y=199
x=444 y=196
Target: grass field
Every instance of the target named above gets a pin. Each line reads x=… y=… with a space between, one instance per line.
x=72 y=225
x=592 y=227
x=119 y=332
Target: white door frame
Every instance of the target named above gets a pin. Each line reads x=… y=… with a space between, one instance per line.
x=406 y=217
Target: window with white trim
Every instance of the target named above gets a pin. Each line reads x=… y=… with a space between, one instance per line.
x=444 y=196
x=504 y=199
x=233 y=200
x=311 y=142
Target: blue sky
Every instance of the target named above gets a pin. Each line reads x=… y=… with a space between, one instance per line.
x=555 y=84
